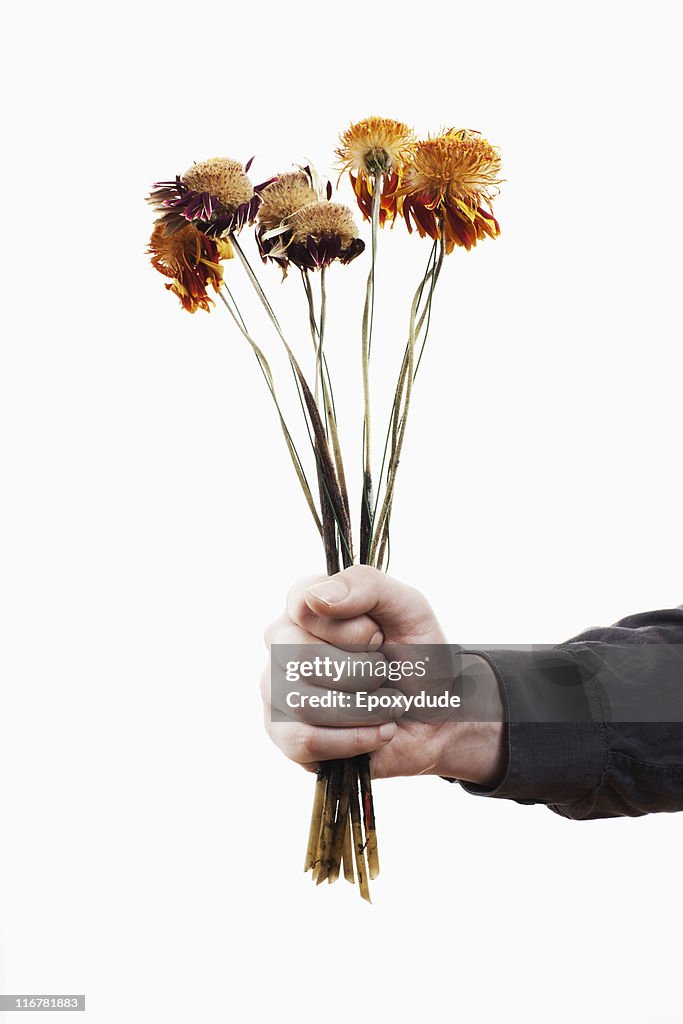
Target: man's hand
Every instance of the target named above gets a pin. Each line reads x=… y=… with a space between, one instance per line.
x=362 y=608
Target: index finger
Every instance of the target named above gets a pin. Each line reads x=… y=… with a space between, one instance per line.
x=353 y=633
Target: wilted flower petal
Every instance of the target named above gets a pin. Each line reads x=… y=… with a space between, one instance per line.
x=447 y=181
x=280 y=200
x=297 y=225
x=321 y=233
x=375 y=147
x=215 y=195
x=191 y=259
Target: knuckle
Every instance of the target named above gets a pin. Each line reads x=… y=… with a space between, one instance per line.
x=304 y=745
x=295 y=650
x=364 y=573
x=358 y=738
x=294 y=599
x=418 y=600
x=295 y=604
x=360 y=631
x=298 y=714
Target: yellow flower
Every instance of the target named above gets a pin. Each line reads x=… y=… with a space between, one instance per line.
x=447 y=181
x=375 y=149
x=191 y=259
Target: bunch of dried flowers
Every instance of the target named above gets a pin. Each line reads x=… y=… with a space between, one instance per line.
x=442 y=187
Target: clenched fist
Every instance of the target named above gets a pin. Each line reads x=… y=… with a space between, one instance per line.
x=362 y=609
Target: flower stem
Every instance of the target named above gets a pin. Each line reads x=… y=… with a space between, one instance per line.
x=336 y=795
x=347 y=852
x=341 y=821
x=368 y=814
x=333 y=508
x=321 y=331
x=399 y=415
x=316 y=821
x=357 y=836
x=330 y=415
x=393 y=419
x=256 y=284
x=268 y=376
x=366 y=524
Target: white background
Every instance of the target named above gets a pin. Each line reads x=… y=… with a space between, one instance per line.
x=151 y=525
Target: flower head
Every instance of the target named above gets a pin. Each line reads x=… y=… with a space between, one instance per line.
x=374 y=150
x=280 y=200
x=297 y=223
x=314 y=236
x=191 y=259
x=321 y=233
x=225 y=179
x=215 y=195
x=447 y=180
x=284 y=196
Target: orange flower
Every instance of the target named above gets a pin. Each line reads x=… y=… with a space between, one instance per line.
x=372 y=150
x=191 y=260
x=446 y=182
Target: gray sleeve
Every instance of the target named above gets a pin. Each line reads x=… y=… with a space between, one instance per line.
x=595 y=725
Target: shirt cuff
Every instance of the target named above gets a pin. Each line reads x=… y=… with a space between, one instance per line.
x=557 y=749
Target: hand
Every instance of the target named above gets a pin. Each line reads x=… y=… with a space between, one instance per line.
x=362 y=608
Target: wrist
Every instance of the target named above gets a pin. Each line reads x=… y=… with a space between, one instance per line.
x=475 y=751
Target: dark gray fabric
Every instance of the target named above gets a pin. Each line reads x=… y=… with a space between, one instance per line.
x=595 y=726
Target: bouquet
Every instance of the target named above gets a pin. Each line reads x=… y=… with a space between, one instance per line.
x=441 y=187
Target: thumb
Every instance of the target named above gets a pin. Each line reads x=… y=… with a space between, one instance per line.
x=362 y=590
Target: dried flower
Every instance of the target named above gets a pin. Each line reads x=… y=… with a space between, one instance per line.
x=321 y=233
x=376 y=147
x=192 y=260
x=284 y=196
x=446 y=181
x=281 y=199
x=215 y=195
x=223 y=178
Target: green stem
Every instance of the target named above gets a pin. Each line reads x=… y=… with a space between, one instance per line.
x=368 y=321
x=268 y=376
x=366 y=347
x=313 y=324
x=317 y=333
x=400 y=419
x=321 y=332
x=431 y=272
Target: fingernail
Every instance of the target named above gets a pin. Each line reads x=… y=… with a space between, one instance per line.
x=387 y=730
x=329 y=592
x=376 y=642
